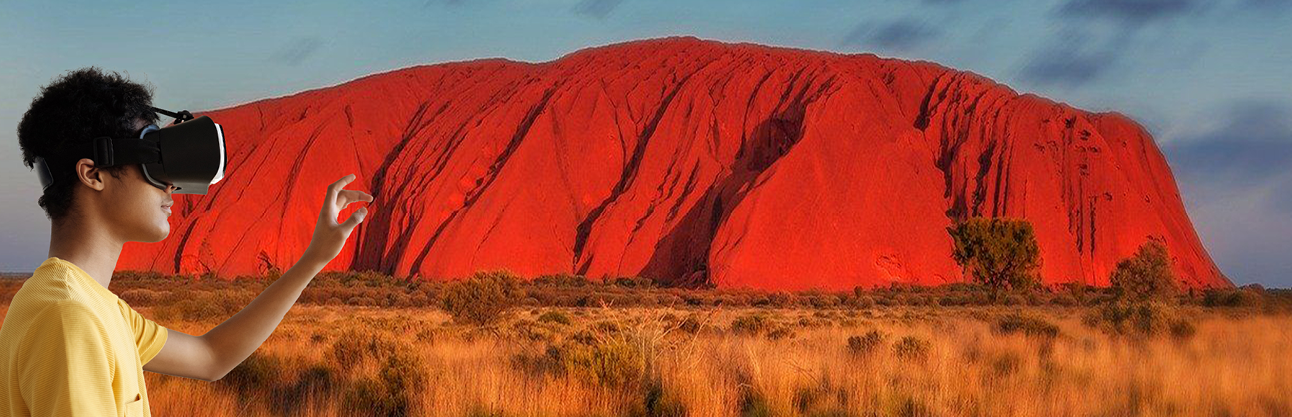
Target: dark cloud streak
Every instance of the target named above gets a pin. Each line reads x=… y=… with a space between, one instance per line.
x=1251 y=149
x=896 y=36
x=1073 y=59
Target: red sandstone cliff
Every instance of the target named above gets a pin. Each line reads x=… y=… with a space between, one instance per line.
x=685 y=160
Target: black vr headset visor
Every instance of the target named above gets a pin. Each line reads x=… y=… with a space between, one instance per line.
x=188 y=154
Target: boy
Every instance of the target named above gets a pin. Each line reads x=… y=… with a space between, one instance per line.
x=70 y=347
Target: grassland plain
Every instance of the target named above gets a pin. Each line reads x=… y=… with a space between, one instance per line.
x=366 y=344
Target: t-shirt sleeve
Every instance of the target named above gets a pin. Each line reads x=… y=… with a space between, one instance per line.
x=67 y=369
x=150 y=337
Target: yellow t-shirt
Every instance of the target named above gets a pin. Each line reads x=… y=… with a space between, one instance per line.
x=70 y=347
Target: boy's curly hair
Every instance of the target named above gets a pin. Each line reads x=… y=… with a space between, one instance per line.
x=73 y=109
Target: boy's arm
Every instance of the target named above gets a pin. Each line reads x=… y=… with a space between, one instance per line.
x=212 y=355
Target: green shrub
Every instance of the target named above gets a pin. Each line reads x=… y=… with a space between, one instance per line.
x=998 y=253
x=481 y=299
x=1145 y=276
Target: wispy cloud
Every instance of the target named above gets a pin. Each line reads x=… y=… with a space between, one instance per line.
x=1130 y=12
x=597 y=8
x=1093 y=36
x=297 y=51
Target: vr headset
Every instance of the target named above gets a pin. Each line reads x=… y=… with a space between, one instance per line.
x=188 y=154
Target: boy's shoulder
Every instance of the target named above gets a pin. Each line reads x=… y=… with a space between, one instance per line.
x=52 y=289
x=50 y=282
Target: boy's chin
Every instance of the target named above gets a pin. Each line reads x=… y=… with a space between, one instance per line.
x=156 y=236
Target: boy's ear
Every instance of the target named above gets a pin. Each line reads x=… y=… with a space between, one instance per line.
x=88 y=174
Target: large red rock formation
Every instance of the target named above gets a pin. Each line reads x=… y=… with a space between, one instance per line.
x=690 y=161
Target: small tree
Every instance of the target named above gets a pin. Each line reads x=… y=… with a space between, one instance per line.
x=482 y=298
x=998 y=253
x=1146 y=276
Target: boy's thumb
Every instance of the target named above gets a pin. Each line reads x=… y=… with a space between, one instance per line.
x=355 y=218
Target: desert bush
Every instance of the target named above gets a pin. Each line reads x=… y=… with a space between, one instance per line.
x=998 y=253
x=1079 y=292
x=403 y=371
x=317 y=381
x=782 y=299
x=356 y=346
x=865 y=344
x=750 y=325
x=1145 y=276
x=198 y=310
x=256 y=374
x=428 y=335
x=911 y=348
x=1138 y=319
x=370 y=397
x=690 y=324
x=823 y=300
x=780 y=332
x=1026 y=324
x=633 y=282
x=390 y=391
x=530 y=330
x=139 y=297
x=554 y=316
x=1064 y=300
x=562 y=280
x=1182 y=329
x=481 y=299
x=660 y=403
x=1230 y=297
x=610 y=363
x=863 y=301
x=361 y=301
x=1006 y=363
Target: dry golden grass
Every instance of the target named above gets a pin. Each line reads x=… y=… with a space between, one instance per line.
x=1232 y=365
x=674 y=352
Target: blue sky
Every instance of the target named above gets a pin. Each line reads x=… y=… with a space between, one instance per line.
x=1210 y=80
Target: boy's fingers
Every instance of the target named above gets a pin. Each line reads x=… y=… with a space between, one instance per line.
x=330 y=199
x=352 y=196
x=336 y=187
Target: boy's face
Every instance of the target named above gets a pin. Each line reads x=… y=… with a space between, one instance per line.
x=136 y=209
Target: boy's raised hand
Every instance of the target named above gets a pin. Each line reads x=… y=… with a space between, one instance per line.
x=329 y=236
